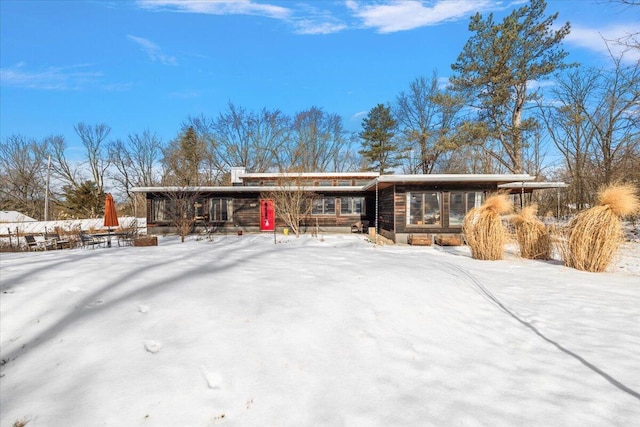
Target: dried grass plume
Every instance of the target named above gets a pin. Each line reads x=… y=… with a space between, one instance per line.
x=483 y=228
x=595 y=234
x=532 y=235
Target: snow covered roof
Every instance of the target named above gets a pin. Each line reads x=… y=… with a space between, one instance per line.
x=13 y=216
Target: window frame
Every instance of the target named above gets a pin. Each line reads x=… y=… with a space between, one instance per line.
x=350 y=202
x=322 y=200
x=225 y=207
x=478 y=198
x=423 y=213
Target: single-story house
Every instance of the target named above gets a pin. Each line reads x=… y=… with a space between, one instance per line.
x=405 y=205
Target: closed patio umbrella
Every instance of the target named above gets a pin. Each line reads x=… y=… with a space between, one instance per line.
x=110 y=215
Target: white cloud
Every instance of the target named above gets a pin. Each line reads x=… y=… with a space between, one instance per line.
x=603 y=40
x=401 y=15
x=53 y=78
x=153 y=51
x=539 y=84
x=358 y=115
x=315 y=21
x=306 y=26
x=219 y=7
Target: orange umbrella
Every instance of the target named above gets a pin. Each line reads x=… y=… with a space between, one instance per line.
x=110 y=215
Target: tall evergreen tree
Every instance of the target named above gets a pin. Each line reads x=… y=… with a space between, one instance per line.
x=84 y=201
x=494 y=70
x=378 y=145
x=183 y=158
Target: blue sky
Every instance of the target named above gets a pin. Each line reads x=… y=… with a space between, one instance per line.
x=138 y=65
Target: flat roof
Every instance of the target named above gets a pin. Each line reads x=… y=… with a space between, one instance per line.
x=534 y=185
x=387 y=180
x=248 y=189
x=310 y=175
x=505 y=181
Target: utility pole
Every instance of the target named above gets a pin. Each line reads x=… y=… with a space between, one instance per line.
x=46 y=194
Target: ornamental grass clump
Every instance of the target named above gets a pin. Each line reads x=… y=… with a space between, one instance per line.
x=532 y=235
x=483 y=229
x=595 y=234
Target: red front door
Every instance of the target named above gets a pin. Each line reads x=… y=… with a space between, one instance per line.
x=267 y=215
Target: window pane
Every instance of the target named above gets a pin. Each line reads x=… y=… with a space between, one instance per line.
x=474 y=200
x=457 y=208
x=351 y=205
x=330 y=206
x=221 y=209
x=199 y=209
x=159 y=210
x=324 y=206
x=432 y=208
x=358 y=205
x=423 y=208
x=414 y=211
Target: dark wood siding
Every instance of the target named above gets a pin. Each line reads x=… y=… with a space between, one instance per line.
x=246 y=211
x=337 y=219
x=386 y=209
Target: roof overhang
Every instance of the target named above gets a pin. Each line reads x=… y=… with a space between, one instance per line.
x=443 y=179
x=530 y=186
x=319 y=175
x=248 y=189
x=511 y=182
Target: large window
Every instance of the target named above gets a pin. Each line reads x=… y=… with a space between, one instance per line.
x=460 y=203
x=423 y=208
x=160 y=210
x=220 y=209
x=324 y=206
x=199 y=209
x=351 y=205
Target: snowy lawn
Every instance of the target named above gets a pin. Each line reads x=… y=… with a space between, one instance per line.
x=314 y=332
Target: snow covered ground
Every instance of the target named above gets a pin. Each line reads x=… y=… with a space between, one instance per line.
x=330 y=331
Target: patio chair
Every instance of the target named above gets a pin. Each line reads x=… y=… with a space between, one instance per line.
x=126 y=238
x=38 y=245
x=91 y=241
x=58 y=241
x=361 y=226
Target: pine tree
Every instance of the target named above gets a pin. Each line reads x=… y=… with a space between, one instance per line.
x=378 y=145
x=495 y=67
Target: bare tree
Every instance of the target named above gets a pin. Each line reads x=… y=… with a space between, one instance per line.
x=94 y=138
x=426 y=117
x=630 y=40
x=180 y=208
x=616 y=120
x=293 y=203
x=144 y=152
x=317 y=142
x=565 y=118
x=135 y=164
x=64 y=170
x=249 y=139
x=23 y=164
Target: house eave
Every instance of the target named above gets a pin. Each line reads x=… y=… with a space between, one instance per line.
x=434 y=179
